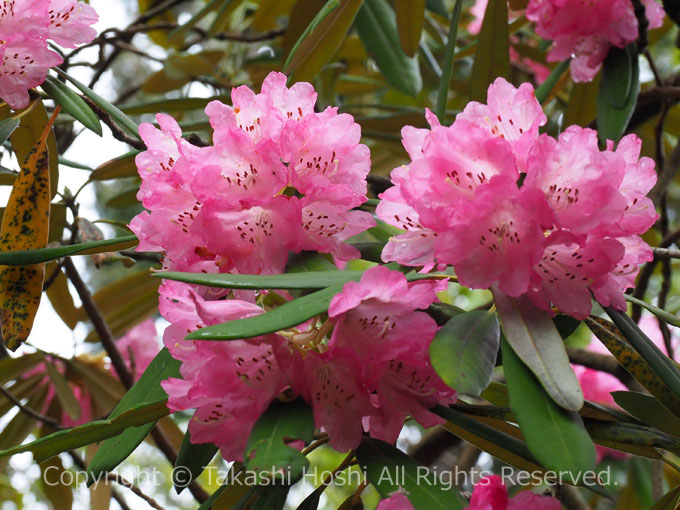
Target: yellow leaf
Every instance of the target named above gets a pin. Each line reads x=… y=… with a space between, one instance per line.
x=25 y=226
x=301 y=15
x=268 y=12
x=58 y=493
x=493 y=52
x=582 y=107
x=60 y=297
x=410 y=16
x=27 y=134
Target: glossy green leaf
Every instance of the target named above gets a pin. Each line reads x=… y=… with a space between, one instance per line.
x=68 y=439
x=410 y=16
x=648 y=410
x=145 y=391
x=534 y=337
x=623 y=436
x=377 y=27
x=7 y=127
x=24 y=257
x=493 y=53
x=390 y=470
x=123 y=120
x=618 y=92
x=668 y=317
x=267 y=454
x=72 y=104
x=306 y=280
x=321 y=39
x=662 y=365
x=180 y=104
x=464 y=351
x=634 y=364
x=555 y=437
x=192 y=459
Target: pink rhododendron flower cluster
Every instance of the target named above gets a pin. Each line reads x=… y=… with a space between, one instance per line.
x=491 y=494
x=555 y=219
x=25 y=27
x=363 y=369
x=585 y=29
x=279 y=178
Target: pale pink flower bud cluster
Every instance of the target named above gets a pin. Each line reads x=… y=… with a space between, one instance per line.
x=585 y=29
x=25 y=28
x=556 y=219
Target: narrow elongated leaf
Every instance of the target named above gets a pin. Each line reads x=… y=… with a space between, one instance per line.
x=11 y=368
x=544 y=89
x=145 y=391
x=447 y=65
x=308 y=280
x=493 y=53
x=72 y=104
x=24 y=257
x=556 y=438
x=22 y=424
x=390 y=470
x=582 y=106
x=669 y=501
x=377 y=27
x=125 y=122
x=648 y=410
x=7 y=127
x=60 y=296
x=322 y=38
x=25 y=225
x=658 y=312
x=63 y=390
x=25 y=138
x=464 y=351
x=301 y=15
x=180 y=104
x=662 y=365
x=534 y=338
x=122 y=166
x=68 y=439
x=267 y=455
x=192 y=459
x=410 y=17
x=618 y=92
x=634 y=364
x=52 y=484
x=624 y=435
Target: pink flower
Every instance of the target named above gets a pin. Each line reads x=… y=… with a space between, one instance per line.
x=25 y=28
x=397 y=501
x=139 y=347
x=585 y=30
x=491 y=494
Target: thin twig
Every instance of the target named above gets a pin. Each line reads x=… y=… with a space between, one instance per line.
x=115 y=477
x=30 y=412
x=117 y=132
x=666 y=253
x=83 y=467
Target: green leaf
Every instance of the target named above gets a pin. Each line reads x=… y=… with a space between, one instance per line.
x=556 y=438
x=181 y=104
x=390 y=470
x=267 y=454
x=63 y=390
x=582 y=106
x=618 y=92
x=648 y=410
x=68 y=439
x=377 y=27
x=11 y=368
x=25 y=257
x=544 y=89
x=534 y=338
x=662 y=365
x=464 y=351
x=633 y=362
x=7 y=127
x=72 y=104
x=308 y=280
x=658 y=312
x=447 y=66
x=410 y=16
x=192 y=459
x=125 y=122
x=116 y=168
x=493 y=54
x=623 y=436
x=145 y=391
x=669 y=501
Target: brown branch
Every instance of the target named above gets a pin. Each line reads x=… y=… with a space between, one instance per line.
x=30 y=412
x=105 y=335
x=114 y=477
x=117 y=132
x=666 y=253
